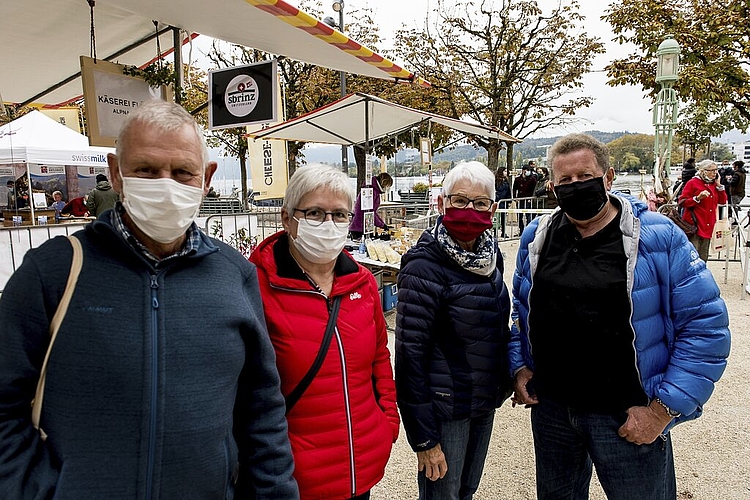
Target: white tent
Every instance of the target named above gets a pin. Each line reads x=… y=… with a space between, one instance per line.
x=359 y=118
x=42 y=39
x=36 y=138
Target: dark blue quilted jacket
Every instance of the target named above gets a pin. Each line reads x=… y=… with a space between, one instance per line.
x=451 y=341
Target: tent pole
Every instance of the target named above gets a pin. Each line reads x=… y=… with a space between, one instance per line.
x=178 y=73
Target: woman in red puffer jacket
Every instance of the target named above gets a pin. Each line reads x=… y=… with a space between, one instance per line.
x=344 y=425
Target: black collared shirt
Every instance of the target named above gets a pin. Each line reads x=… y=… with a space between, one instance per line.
x=579 y=325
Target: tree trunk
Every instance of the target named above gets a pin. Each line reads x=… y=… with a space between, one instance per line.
x=509 y=158
x=359 y=158
x=493 y=152
x=242 y=156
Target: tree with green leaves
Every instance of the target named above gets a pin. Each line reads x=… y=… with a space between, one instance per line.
x=504 y=63
x=715 y=42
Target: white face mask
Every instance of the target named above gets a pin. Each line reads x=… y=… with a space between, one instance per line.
x=319 y=244
x=162 y=208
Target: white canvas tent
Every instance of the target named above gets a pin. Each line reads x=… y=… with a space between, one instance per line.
x=42 y=39
x=50 y=156
x=36 y=138
x=359 y=118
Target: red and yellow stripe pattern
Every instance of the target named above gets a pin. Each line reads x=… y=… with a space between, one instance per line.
x=322 y=31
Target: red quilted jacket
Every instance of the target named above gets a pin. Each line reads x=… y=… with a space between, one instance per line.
x=343 y=427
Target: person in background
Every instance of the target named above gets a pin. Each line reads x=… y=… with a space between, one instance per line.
x=75 y=207
x=737 y=188
x=523 y=187
x=628 y=330
x=502 y=196
x=451 y=337
x=688 y=172
x=544 y=190
x=15 y=199
x=342 y=426
x=102 y=197
x=159 y=385
x=58 y=204
x=701 y=196
x=380 y=183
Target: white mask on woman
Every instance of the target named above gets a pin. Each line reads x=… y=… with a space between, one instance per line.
x=162 y=208
x=319 y=244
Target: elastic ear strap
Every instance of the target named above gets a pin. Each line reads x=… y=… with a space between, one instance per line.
x=62 y=308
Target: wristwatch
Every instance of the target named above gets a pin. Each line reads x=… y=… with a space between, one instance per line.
x=672 y=413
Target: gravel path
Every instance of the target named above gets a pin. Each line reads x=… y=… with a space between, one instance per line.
x=712 y=454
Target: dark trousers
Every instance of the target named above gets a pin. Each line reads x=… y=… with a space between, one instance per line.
x=568 y=442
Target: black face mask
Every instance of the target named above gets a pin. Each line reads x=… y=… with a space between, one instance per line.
x=582 y=200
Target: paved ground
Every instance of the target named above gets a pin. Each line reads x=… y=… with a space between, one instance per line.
x=712 y=453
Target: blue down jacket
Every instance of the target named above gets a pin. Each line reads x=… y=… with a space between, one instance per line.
x=680 y=321
x=451 y=341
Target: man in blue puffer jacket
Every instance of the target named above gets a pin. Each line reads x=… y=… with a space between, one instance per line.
x=619 y=334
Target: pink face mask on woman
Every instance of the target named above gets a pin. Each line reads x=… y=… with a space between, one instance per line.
x=466 y=224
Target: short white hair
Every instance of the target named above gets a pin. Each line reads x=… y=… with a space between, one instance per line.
x=165 y=117
x=475 y=172
x=705 y=164
x=309 y=178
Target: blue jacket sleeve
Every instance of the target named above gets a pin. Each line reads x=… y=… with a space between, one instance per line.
x=28 y=467
x=260 y=427
x=701 y=338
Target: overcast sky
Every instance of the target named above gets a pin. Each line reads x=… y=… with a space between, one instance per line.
x=615 y=109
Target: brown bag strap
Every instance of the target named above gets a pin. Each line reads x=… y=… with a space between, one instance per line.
x=62 y=308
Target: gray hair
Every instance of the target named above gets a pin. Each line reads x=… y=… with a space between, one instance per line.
x=165 y=117
x=576 y=142
x=475 y=172
x=705 y=164
x=317 y=176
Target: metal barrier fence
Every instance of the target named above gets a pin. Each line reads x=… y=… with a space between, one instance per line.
x=15 y=241
x=243 y=231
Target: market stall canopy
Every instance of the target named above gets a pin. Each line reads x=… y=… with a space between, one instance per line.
x=36 y=138
x=358 y=118
x=42 y=39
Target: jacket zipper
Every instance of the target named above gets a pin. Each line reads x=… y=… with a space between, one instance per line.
x=347 y=407
x=154 y=377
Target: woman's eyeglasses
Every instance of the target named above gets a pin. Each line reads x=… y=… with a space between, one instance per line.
x=481 y=204
x=316 y=216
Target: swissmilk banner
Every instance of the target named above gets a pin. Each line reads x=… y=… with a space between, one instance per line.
x=243 y=95
x=268 y=163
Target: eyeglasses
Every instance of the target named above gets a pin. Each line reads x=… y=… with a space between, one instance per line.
x=316 y=216
x=481 y=204
x=712 y=169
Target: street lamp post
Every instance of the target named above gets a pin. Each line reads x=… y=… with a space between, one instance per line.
x=665 y=111
x=338 y=6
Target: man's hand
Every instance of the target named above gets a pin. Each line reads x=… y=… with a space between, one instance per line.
x=433 y=463
x=644 y=423
x=520 y=385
